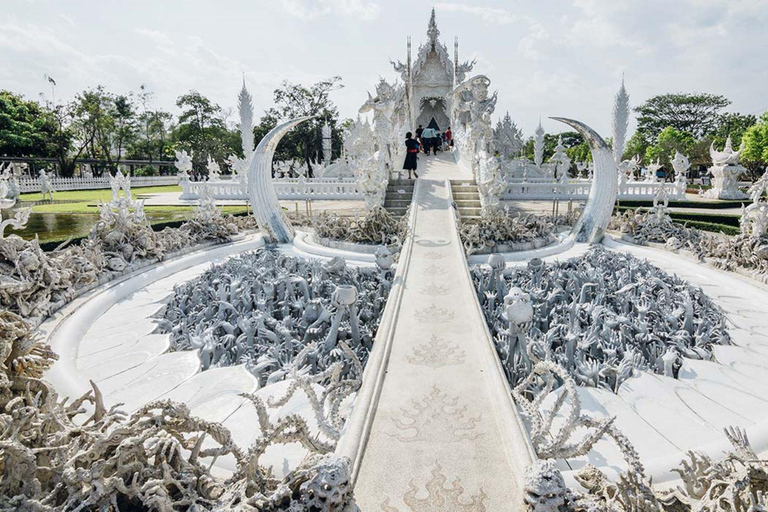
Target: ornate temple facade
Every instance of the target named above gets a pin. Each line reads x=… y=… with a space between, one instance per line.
x=430 y=80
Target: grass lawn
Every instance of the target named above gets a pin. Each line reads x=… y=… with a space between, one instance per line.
x=87 y=201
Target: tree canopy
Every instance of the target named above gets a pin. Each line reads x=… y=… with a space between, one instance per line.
x=756 y=144
x=695 y=113
x=26 y=128
x=303 y=143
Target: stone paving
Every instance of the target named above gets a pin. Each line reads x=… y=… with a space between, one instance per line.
x=444 y=425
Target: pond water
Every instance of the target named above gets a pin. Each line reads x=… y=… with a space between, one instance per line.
x=60 y=226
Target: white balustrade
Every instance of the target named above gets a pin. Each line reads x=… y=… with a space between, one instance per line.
x=543 y=189
x=286 y=188
x=29 y=184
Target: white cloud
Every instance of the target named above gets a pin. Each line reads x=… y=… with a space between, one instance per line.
x=489 y=15
x=544 y=60
x=312 y=9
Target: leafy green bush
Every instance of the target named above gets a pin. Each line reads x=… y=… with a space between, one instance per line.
x=711 y=227
x=147 y=170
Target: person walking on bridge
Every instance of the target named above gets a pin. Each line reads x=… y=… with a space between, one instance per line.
x=412 y=155
x=427 y=137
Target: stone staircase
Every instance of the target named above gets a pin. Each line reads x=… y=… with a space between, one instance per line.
x=399 y=195
x=467 y=198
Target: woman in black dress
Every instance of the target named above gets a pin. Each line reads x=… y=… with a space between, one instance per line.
x=411 y=158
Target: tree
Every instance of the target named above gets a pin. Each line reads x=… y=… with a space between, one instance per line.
x=202 y=130
x=153 y=127
x=755 y=155
x=303 y=143
x=636 y=146
x=696 y=114
x=668 y=142
x=733 y=125
x=573 y=142
x=26 y=127
x=94 y=124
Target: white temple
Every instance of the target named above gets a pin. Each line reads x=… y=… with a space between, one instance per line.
x=431 y=79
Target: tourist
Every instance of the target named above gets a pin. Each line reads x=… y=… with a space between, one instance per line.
x=426 y=137
x=419 y=131
x=412 y=155
x=449 y=138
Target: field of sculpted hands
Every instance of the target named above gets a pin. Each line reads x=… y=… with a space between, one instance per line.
x=284 y=318
x=304 y=330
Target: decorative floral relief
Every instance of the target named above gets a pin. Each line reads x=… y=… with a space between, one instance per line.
x=436 y=352
x=434 y=314
x=437 y=415
x=434 y=289
x=435 y=270
x=439 y=496
x=434 y=255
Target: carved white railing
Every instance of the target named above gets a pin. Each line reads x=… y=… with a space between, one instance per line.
x=29 y=184
x=579 y=189
x=286 y=188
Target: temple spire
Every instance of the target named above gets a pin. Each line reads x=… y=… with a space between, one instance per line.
x=432 y=30
x=455 y=60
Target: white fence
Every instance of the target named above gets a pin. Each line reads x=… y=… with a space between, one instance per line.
x=347 y=189
x=287 y=188
x=28 y=184
x=579 y=189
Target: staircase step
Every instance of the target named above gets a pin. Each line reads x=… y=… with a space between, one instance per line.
x=463 y=203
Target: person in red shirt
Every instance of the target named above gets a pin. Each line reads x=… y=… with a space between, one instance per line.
x=449 y=138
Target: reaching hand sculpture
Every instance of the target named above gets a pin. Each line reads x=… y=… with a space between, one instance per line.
x=601 y=316
x=263 y=308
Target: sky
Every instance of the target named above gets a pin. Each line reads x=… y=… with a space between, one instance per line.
x=545 y=58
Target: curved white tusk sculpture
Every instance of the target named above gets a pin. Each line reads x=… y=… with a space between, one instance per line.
x=602 y=196
x=261 y=192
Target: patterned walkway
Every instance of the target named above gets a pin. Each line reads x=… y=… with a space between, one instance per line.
x=444 y=431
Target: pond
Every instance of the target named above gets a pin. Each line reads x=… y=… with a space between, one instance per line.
x=60 y=226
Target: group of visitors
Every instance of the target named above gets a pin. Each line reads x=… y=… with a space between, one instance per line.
x=426 y=139
x=432 y=139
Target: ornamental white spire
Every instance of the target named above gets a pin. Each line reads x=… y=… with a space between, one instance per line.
x=538 y=145
x=245 y=106
x=620 y=122
x=432 y=31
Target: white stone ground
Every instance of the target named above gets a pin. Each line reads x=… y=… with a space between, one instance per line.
x=441 y=413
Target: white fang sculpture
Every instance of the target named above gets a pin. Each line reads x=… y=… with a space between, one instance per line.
x=602 y=195
x=261 y=192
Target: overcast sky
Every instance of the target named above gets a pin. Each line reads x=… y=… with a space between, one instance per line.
x=545 y=57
